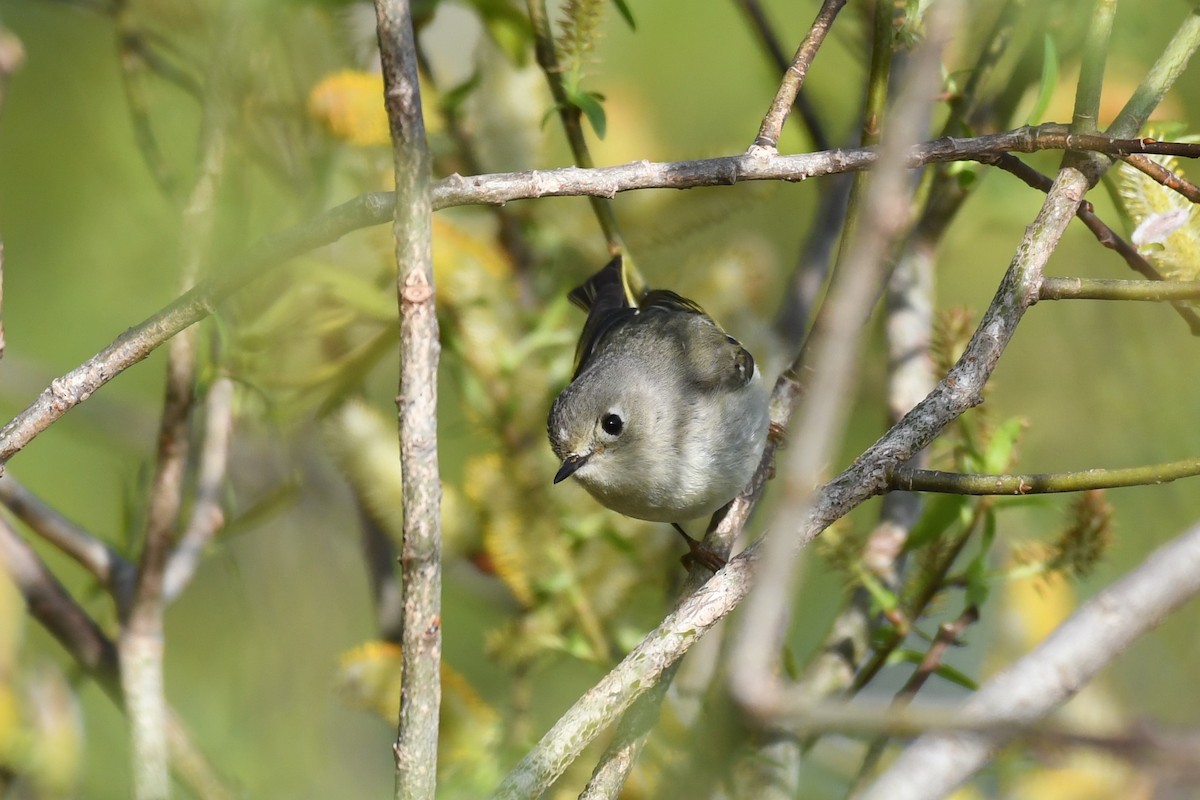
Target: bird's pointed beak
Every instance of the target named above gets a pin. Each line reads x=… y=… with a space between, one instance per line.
x=569 y=465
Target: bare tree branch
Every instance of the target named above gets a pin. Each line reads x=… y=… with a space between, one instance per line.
x=1164 y=176
x=757 y=17
x=764 y=165
x=51 y=605
x=420 y=557
x=1049 y=675
x=1104 y=234
x=925 y=480
x=207 y=516
x=115 y=573
x=834 y=344
x=67 y=391
x=793 y=78
x=569 y=115
x=1101 y=289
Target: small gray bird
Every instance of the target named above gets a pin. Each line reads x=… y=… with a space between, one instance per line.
x=666 y=417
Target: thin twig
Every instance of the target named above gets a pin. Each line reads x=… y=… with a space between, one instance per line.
x=207 y=515
x=569 y=114
x=133 y=67
x=1164 y=176
x=759 y=165
x=141 y=642
x=757 y=17
x=115 y=573
x=374 y=208
x=1049 y=675
x=925 y=480
x=948 y=635
x=1085 y=116
x=1101 y=289
x=1 y=295
x=1104 y=234
x=793 y=78
x=420 y=695
x=835 y=341
x=51 y=605
x=931 y=582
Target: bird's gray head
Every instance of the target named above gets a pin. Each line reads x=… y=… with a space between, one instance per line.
x=599 y=427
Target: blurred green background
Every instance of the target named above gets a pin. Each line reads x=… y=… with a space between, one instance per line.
x=92 y=247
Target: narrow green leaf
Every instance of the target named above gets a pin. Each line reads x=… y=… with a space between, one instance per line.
x=452 y=100
x=979 y=583
x=940 y=514
x=998 y=456
x=885 y=599
x=589 y=104
x=903 y=655
x=949 y=673
x=908 y=656
x=626 y=14
x=1048 y=82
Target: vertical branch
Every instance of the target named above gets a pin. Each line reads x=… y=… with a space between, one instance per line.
x=11 y=56
x=420 y=694
x=1091 y=71
x=834 y=346
x=207 y=516
x=547 y=59
x=141 y=642
x=1 y=299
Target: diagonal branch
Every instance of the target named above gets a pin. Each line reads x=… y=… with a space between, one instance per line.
x=1049 y=675
x=1164 y=176
x=115 y=573
x=793 y=77
x=51 y=605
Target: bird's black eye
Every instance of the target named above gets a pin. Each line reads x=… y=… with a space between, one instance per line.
x=612 y=424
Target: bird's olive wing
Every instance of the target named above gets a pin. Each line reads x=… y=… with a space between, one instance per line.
x=714 y=359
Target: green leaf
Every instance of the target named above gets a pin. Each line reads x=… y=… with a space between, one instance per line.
x=626 y=13
x=589 y=104
x=998 y=456
x=885 y=599
x=979 y=583
x=904 y=655
x=452 y=100
x=942 y=512
x=1048 y=82
x=949 y=673
x=908 y=656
